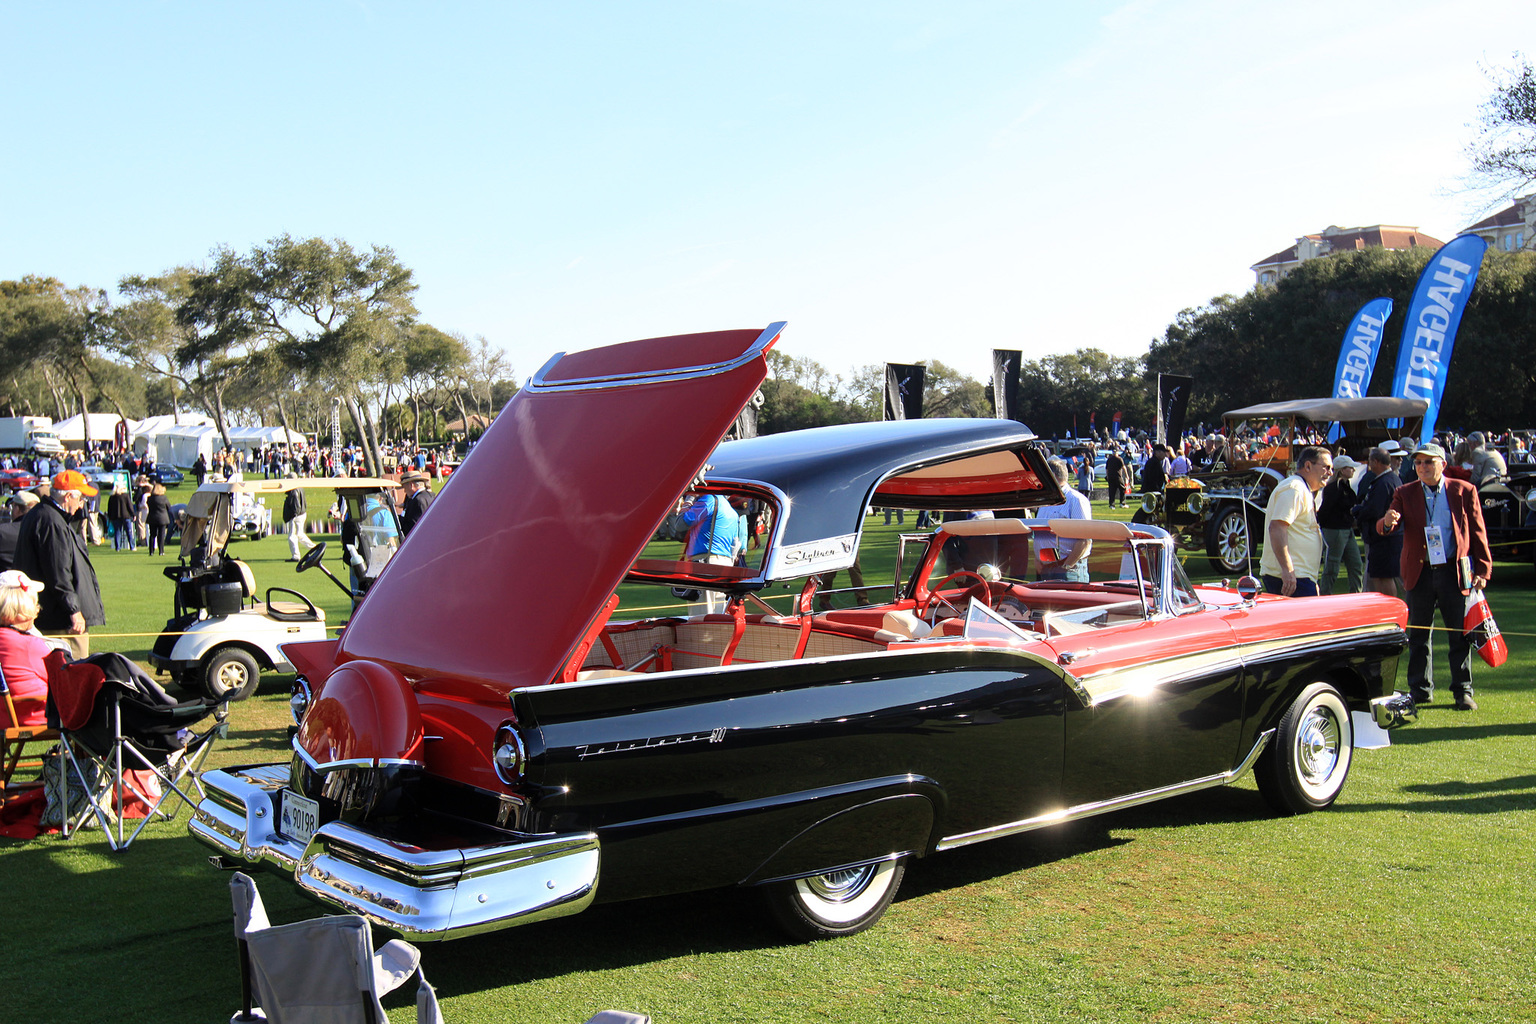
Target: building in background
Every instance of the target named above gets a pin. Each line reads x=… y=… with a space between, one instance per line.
x=1512 y=228
x=1334 y=239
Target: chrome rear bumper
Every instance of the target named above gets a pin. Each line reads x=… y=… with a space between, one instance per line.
x=424 y=892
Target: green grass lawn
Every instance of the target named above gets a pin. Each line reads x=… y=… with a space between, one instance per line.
x=1408 y=901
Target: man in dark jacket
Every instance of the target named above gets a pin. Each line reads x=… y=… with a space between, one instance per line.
x=50 y=551
x=295 y=512
x=418 y=498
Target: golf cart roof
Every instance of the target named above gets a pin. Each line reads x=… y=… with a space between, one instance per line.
x=207 y=514
x=338 y=483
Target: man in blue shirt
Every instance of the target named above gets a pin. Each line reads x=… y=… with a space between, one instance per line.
x=717 y=533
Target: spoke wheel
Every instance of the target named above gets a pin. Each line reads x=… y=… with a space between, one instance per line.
x=1306 y=763
x=837 y=903
x=1228 y=544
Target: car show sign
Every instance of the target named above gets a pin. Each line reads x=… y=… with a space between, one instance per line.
x=1005 y=383
x=1172 y=404
x=1357 y=356
x=904 y=391
x=1429 y=330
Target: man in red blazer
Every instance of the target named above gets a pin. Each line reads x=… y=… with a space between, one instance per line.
x=1445 y=552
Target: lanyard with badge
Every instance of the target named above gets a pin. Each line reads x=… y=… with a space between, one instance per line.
x=1434 y=542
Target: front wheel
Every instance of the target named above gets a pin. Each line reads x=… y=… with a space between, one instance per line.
x=1306 y=763
x=838 y=903
x=1228 y=543
x=230 y=674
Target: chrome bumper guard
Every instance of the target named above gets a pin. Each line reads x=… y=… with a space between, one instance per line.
x=423 y=894
x=1394 y=711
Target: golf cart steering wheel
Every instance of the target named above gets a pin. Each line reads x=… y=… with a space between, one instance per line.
x=930 y=607
x=311 y=557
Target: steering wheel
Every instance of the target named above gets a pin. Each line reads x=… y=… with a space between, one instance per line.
x=930 y=609
x=311 y=557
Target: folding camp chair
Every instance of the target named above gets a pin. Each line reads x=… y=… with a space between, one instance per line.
x=14 y=741
x=320 y=971
x=325 y=970
x=115 y=722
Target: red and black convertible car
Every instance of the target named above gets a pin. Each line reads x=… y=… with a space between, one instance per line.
x=486 y=745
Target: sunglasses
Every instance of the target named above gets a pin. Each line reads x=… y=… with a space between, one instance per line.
x=1424 y=462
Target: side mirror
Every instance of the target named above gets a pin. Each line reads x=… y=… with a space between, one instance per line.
x=1249 y=588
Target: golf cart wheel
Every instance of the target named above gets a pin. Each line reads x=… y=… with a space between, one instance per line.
x=230 y=674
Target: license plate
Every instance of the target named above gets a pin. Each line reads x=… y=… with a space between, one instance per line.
x=301 y=816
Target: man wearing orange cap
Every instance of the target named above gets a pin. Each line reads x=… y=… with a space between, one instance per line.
x=51 y=551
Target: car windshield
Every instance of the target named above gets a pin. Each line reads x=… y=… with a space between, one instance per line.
x=1142 y=568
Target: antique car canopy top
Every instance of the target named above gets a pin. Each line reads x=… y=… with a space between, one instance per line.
x=1328 y=410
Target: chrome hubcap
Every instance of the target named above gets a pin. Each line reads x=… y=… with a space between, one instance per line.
x=841 y=886
x=1317 y=746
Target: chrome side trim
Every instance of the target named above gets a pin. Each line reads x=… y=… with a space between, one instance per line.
x=1113 y=683
x=538 y=383
x=1105 y=806
x=355 y=762
x=1147 y=677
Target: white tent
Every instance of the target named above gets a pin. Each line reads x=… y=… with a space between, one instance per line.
x=103 y=428
x=251 y=438
x=145 y=431
x=181 y=444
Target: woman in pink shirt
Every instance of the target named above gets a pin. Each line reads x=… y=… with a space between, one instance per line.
x=21 y=650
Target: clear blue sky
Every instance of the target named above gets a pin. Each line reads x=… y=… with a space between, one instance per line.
x=899 y=181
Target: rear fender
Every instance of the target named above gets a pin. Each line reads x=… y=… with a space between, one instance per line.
x=888 y=826
x=367 y=716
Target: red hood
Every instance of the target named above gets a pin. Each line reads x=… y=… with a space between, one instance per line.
x=537 y=527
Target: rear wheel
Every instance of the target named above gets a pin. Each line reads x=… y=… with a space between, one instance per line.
x=230 y=674
x=1306 y=763
x=838 y=903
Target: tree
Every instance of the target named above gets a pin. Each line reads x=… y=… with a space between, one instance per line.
x=331 y=311
x=217 y=315
x=1504 y=153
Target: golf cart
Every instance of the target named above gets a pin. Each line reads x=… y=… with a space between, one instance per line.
x=220 y=637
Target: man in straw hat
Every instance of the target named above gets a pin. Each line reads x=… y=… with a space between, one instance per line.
x=418 y=498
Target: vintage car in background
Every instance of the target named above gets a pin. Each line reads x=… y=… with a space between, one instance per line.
x=1509 y=511
x=16 y=480
x=488 y=745
x=1221 y=510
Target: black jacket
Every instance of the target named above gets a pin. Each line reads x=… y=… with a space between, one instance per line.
x=416 y=506
x=51 y=552
x=294 y=504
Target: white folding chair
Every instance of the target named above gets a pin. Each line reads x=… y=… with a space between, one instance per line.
x=321 y=971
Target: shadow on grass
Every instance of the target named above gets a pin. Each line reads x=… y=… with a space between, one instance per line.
x=1453 y=796
x=1429 y=733
x=619 y=935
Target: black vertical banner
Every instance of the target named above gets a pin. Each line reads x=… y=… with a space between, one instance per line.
x=904 y=391
x=1172 y=404
x=1005 y=383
